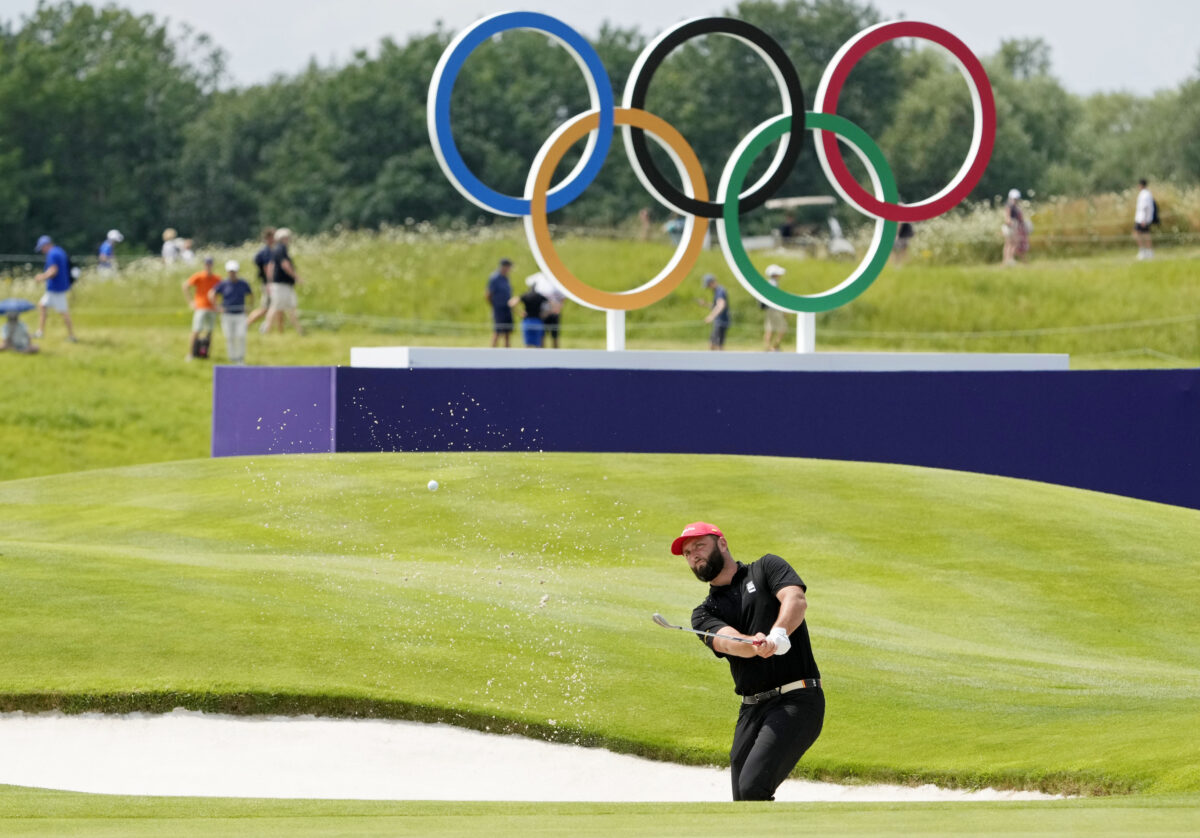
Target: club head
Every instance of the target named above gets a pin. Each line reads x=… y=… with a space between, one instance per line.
x=658 y=618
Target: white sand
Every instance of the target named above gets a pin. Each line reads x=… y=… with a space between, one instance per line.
x=197 y=754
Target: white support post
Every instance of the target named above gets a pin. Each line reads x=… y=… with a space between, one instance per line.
x=806 y=332
x=615 y=319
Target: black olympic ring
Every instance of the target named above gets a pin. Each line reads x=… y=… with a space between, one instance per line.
x=635 y=97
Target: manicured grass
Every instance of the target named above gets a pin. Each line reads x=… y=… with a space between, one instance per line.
x=973 y=630
x=27 y=812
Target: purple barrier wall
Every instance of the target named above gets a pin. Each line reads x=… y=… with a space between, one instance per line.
x=273 y=410
x=1130 y=432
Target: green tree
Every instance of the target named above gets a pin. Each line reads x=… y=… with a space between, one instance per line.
x=94 y=102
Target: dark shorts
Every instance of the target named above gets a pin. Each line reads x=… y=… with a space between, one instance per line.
x=551 y=321
x=502 y=320
x=1141 y=228
x=717 y=338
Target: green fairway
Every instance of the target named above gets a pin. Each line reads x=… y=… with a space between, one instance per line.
x=973 y=630
x=25 y=812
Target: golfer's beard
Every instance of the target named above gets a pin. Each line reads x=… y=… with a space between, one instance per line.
x=712 y=566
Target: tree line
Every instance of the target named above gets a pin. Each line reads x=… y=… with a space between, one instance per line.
x=108 y=120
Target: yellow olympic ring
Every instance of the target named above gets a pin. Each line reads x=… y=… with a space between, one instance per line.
x=537 y=226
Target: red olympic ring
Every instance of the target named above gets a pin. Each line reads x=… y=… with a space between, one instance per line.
x=983 y=139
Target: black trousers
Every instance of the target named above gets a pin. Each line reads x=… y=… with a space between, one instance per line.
x=769 y=740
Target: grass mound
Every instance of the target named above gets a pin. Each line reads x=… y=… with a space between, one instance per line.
x=972 y=630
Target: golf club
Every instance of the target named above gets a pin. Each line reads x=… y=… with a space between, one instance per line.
x=658 y=618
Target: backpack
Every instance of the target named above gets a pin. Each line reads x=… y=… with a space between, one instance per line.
x=201 y=345
x=1153 y=211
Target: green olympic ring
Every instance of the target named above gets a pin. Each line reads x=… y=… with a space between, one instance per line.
x=729 y=230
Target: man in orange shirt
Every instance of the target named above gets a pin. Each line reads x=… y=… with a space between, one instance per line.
x=204 y=318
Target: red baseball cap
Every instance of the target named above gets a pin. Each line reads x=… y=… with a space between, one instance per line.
x=691 y=531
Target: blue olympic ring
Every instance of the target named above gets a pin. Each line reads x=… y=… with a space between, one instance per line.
x=599 y=89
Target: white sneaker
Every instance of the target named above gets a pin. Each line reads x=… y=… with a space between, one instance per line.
x=38 y=333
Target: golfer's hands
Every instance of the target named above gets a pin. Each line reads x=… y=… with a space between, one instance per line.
x=764 y=647
x=769 y=645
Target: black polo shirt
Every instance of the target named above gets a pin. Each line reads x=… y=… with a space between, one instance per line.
x=742 y=605
x=281 y=274
x=261 y=260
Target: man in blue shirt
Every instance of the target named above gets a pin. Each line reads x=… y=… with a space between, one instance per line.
x=233 y=291
x=57 y=276
x=719 y=315
x=500 y=296
x=261 y=260
x=106 y=261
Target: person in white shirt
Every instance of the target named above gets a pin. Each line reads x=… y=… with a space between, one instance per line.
x=1143 y=217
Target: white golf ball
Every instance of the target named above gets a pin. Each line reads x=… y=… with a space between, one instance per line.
x=433 y=484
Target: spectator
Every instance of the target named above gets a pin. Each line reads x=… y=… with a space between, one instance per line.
x=186 y=254
x=1145 y=214
x=1016 y=229
x=787 y=230
x=283 y=280
x=499 y=296
x=14 y=336
x=204 y=318
x=774 y=324
x=170 y=248
x=106 y=261
x=56 y=273
x=718 y=315
x=532 y=326
x=903 y=237
x=262 y=261
x=233 y=291
x=552 y=311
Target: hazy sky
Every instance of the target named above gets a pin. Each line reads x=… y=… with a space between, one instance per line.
x=1103 y=45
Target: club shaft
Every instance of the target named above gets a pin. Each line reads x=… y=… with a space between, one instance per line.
x=662 y=622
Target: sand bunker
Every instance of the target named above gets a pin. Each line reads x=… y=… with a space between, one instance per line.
x=205 y=755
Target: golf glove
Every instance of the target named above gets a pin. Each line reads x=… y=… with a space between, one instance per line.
x=779 y=637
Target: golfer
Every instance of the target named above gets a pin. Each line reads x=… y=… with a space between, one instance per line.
x=783 y=706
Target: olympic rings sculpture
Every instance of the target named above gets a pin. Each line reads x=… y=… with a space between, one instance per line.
x=733 y=197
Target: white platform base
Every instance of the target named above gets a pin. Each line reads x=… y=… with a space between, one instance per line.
x=438 y=357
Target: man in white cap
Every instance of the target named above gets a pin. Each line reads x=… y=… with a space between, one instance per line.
x=106 y=261
x=1016 y=230
x=235 y=293
x=774 y=324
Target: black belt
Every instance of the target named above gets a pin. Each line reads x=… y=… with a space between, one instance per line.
x=806 y=684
